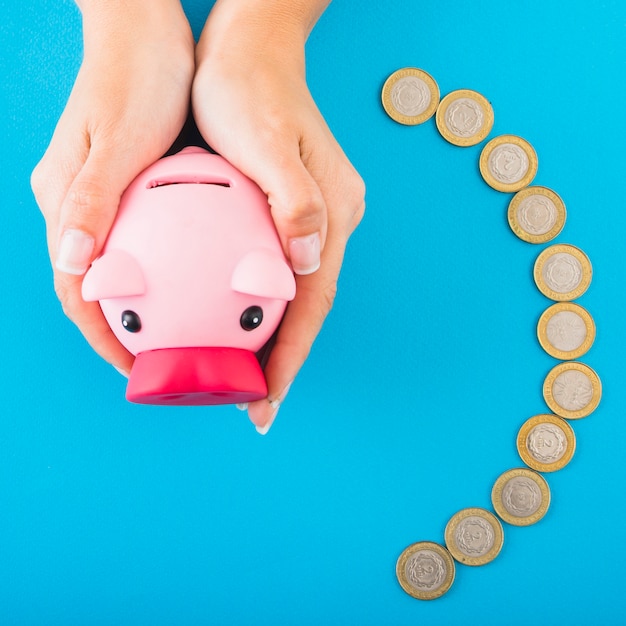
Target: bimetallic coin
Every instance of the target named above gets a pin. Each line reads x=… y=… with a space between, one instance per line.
x=572 y=390
x=474 y=536
x=508 y=163
x=410 y=96
x=546 y=443
x=520 y=497
x=566 y=331
x=425 y=570
x=464 y=117
x=562 y=272
x=536 y=214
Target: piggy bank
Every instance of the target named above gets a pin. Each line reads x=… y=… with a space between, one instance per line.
x=193 y=281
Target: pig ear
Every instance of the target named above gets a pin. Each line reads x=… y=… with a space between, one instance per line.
x=114 y=275
x=264 y=273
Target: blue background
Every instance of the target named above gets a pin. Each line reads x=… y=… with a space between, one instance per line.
x=408 y=407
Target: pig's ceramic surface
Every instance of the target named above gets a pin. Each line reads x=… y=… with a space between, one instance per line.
x=193 y=281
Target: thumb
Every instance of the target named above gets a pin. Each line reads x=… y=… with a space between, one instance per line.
x=297 y=206
x=88 y=211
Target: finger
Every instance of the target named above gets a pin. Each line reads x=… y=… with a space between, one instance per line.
x=85 y=219
x=298 y=209
x=88 y=210
x=273 y=159
x=53 y=175
x=297 y=205
x=303 y=320
x=89 y=318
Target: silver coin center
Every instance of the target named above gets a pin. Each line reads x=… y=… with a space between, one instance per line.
x=410 y=96
x=537 y=214
x=464 y=117
x=562 y=272
x=572 y=390
x=547 y=443
x=474 y=536
x=426 y=570
x=566 y=331
x=521 y=496
x=508 y=163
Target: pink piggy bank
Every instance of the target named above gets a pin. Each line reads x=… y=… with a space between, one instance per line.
x=193 y=281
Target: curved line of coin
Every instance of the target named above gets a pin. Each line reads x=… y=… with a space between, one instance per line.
x=562 y=272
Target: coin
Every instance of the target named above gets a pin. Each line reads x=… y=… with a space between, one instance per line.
x=546 y=443
x=572 y=390
x=410 y=96
x=508 y=163
x=521 y=497
x=425 y=570
x=566 y=331
x=464 y=117
x=474 y=536
x=536 y=214
x=562 y=272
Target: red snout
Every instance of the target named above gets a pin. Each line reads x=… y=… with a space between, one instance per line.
x=196 y=376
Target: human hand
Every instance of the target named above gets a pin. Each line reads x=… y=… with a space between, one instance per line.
x=128 y=104
x=252 y=105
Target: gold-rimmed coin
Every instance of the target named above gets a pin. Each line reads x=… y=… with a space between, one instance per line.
x=425 y=570
x=536 y=214
x=474 y=536
x=562 y=272
x=410 y=96
x=520 y=497
x=464 y=117
x=546 y=443
x=572 y=390
x=566 y=331
x=508 y=163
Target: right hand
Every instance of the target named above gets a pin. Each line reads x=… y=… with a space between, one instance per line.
x=253 y=106
x=128 y=104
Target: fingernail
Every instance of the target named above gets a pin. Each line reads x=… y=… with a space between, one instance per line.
x=263 y=430
x=275 y=404
x=119 y=370
x=304 y=253
x=242 y=406
x=75 y=250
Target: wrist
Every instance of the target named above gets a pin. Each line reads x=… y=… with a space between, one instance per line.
x=112 y=9
x=107 y=23
x=271 y=29
x=295 y=16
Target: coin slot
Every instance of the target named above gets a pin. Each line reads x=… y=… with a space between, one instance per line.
x=186 y=180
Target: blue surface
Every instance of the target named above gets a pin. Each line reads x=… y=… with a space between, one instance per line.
x=407 y=409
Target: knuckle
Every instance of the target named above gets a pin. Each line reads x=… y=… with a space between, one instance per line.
x=320 y=293
x=358 y=198
x=87 y=199
x=309 y=203
x=355 y=191
x=358 y=215
x=40 y=179
x=303 y=210
x=328 y=295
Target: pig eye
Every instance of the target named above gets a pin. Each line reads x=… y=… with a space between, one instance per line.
x=251 y=318
x=131 y=321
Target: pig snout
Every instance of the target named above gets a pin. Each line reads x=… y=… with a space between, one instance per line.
x=196 y=376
